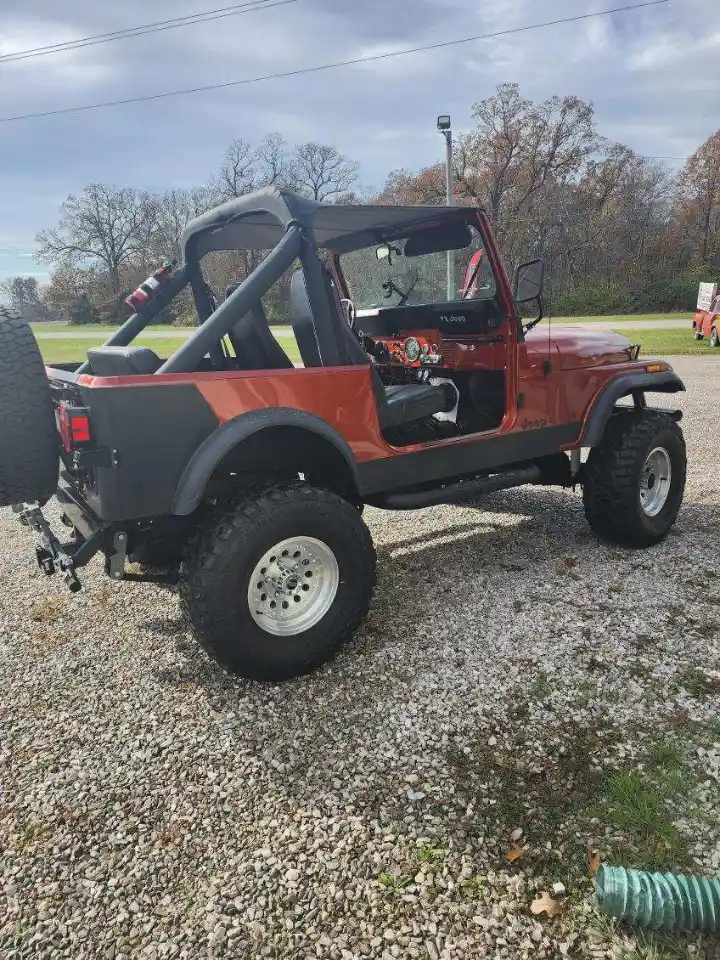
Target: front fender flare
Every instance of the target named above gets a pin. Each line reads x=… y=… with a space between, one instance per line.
x=664 y=381
x=210 y=453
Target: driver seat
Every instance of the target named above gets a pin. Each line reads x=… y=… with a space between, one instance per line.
x=397 y=405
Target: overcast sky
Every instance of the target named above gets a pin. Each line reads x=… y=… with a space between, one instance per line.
x=653 y=75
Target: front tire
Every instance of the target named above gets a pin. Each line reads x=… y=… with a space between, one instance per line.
x=714 y=337
x=275 y=586
x=634 y=480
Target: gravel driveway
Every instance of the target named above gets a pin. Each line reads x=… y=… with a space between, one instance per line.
x=514 y=675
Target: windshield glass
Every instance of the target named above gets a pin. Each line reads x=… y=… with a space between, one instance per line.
x=398 y=280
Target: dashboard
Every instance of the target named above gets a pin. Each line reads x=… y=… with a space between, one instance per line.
x=451 y=319
x=446 y=335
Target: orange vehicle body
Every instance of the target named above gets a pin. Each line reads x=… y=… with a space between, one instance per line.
x=553 y=377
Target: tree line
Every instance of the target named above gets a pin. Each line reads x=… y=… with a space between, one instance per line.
x=619 y=232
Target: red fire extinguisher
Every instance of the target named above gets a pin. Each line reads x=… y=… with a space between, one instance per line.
x=150 y=288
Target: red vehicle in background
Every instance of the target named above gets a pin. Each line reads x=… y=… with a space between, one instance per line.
x=706 y=323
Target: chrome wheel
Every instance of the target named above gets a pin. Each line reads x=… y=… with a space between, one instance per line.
x=293 y=586
x=655 y=481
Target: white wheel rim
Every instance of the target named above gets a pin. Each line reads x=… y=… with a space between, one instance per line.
x=293 y=586
x=655 y=481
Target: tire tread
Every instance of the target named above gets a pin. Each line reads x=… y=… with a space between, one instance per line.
x=206 y=555
x=29 y=450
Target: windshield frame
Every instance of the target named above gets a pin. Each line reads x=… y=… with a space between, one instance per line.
x=475 y=218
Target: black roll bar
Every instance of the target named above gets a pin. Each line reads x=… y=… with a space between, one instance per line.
x=324 y=327
x=136 y=323
x=188 y=356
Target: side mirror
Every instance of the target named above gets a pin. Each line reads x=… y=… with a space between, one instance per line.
x=386 y=252
x=529 y=281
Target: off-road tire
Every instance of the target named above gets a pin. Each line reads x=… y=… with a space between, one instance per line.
x=29 y=450
x=697 y=335
x=215 y=576
x=611 y=481
x=714 y=337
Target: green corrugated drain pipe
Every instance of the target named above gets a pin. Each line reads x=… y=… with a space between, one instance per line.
x=661 y=901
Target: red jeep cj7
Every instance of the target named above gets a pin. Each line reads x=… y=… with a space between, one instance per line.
x=253 y=474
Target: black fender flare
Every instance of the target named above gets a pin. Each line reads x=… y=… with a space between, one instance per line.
x=663 y=381
x=211 y=451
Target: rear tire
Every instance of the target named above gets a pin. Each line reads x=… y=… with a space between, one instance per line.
x=252 y=610
x=634 y=480
x=29 y=450
x=697 y=335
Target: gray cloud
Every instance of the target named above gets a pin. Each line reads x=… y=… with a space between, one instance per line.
x=652 y=75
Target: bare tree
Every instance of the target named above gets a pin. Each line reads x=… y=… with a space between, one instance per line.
x=322 y=172
x=273 y=162
x=175 y=209
x=237 y=174
x=105 y=225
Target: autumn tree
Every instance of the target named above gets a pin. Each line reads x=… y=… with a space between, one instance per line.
x=699 y=199
x=426 y=186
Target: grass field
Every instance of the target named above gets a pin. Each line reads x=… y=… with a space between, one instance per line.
x=98 y=329
x=87 y=329
x=66 y=351
x=669 y=343
x=622 y=319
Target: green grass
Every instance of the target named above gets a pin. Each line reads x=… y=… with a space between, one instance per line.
x=540 y=687
x=429 y=854
x=86 y=329
x=659 y=343
x=67 y=351
x=104 y=330
x=627 y=318
x=641 y=802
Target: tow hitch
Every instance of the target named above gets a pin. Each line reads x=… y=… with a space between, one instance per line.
x=51 y=555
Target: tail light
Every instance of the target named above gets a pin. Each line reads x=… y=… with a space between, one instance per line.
x=74 y=426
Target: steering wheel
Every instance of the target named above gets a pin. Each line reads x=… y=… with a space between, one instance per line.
x=348 y=308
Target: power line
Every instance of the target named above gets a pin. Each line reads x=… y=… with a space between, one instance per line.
x=142 y=29
x=330 y=66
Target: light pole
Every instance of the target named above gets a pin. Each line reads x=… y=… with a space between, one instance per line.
x=443 y=125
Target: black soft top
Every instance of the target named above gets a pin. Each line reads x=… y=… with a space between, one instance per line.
x=259 y=220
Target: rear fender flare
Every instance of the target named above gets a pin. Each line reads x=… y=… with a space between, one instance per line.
x=210 y=453
x=664 y=381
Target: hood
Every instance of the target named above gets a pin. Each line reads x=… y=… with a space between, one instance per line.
x=580 y=347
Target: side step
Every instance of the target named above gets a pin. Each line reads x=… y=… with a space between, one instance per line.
x=454 y=492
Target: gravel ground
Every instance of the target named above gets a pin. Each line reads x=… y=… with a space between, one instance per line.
x=516 y=682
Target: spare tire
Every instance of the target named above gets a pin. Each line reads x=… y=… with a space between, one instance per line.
x=29 y=451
